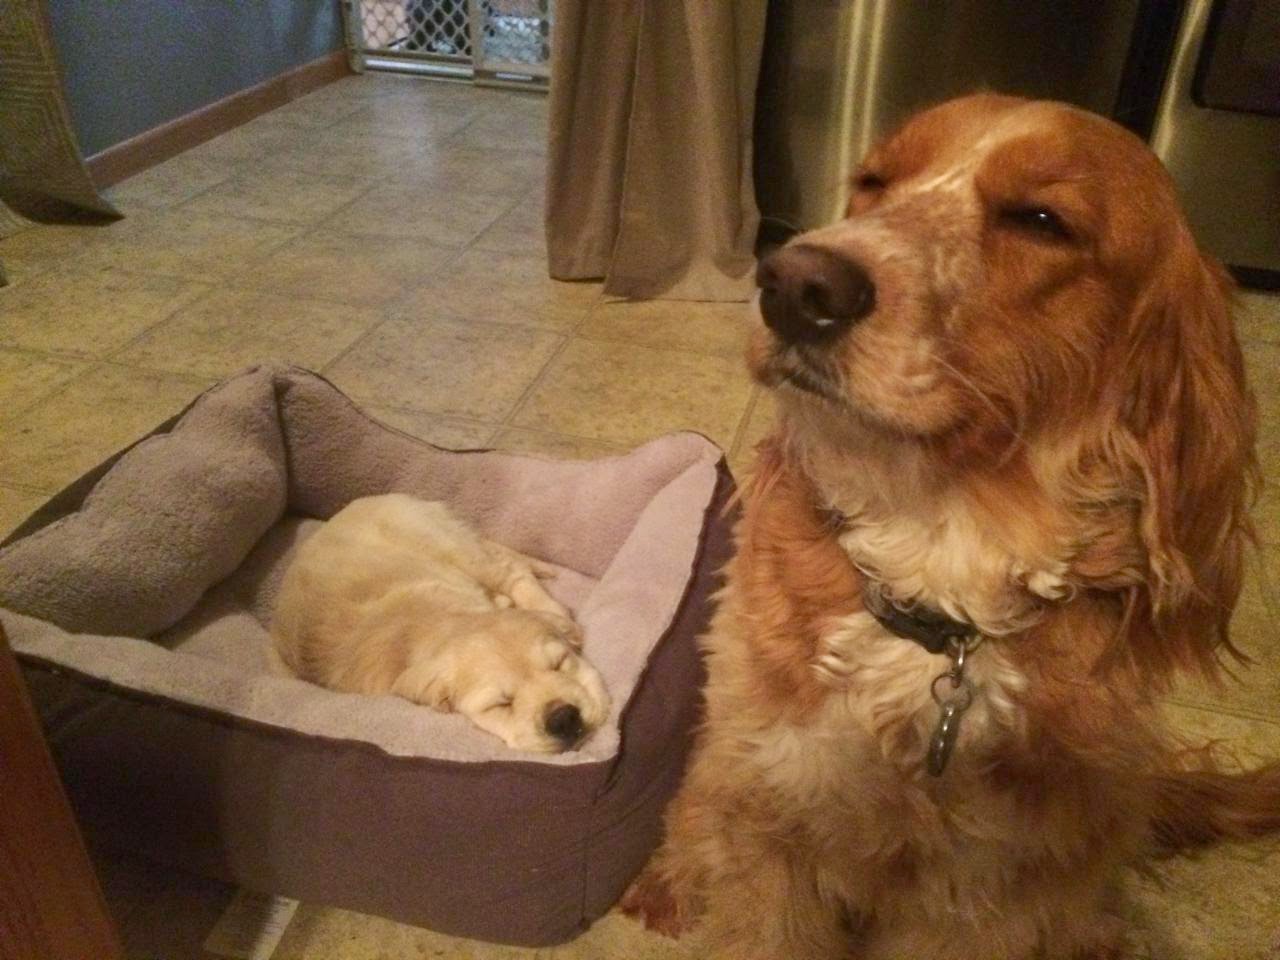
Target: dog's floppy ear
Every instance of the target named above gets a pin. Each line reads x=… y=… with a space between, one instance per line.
x=1191 y=425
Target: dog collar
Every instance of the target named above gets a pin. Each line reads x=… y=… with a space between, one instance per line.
x=930 y=628
x=937 y=633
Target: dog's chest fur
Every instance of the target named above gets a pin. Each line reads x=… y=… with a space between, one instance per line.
x=825 y=717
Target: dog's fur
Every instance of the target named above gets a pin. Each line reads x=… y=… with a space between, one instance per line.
x=1045 y=432
x=397 y=595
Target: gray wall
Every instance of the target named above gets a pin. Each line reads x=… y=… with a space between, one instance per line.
x=131 y=65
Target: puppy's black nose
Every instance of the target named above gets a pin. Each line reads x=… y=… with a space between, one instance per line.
x=810 y=295
x=564 y=722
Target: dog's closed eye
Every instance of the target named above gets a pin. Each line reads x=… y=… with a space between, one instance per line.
x=505 y=703
x=1035 y=220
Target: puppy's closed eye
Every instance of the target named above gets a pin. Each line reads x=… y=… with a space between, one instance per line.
x=504 y=703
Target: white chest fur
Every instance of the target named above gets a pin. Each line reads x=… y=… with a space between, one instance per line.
x=949 y=559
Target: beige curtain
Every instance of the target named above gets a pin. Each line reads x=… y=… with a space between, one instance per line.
x=649 y=162
x=42 y=176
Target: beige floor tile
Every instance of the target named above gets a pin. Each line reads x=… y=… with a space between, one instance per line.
x=470 y=369
x=90 y=313
x=15 y=506
x=1258 y=316
x=81 y=425
x=413 y=118
x=625 y=394
x=720 y=329
x=281 y=196
x=332 y=265
x=260 y=138
x=42 y=248
x=522 y=230
x=316 y=110
x=452 y=433
x=179 y=243
x=170 y=183
x=615 y=936
x=553 y=445
x=230 y=329
x=1223 y=905
x=321 y=933
x=527 y=103
x=458 y=169
x=505 y=288
x=359 y=87
x=1254 y=629
x=420 y=213
x=1263 y=363
x=1242 y=742
x=27 y=378
x=505 y=129
x=341 y=153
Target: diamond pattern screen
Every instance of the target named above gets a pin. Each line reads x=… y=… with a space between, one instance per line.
x=437 y=27
x=512 y=32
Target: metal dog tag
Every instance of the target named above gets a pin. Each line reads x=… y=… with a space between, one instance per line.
x=944 y=737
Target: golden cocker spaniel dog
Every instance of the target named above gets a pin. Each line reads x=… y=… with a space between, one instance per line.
x=1004 y=508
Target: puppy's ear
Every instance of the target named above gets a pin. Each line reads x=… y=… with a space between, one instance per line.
x=1191 y=425
x=428 y=682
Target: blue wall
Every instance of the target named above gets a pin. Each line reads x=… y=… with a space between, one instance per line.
x=131 y=65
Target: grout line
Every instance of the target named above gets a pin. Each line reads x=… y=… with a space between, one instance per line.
x=387 y=317
x=556 y=435
x=91 y=365
x=374 y=328
x=19 y=487
x=209 y=291
x=508 y=420
x=740 y=434
x=1238 y=713
x=198 y=380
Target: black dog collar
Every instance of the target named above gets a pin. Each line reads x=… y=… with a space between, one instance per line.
x=930 y=628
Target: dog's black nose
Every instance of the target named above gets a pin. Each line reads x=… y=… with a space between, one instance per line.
x=810 y=294
x=564 y=722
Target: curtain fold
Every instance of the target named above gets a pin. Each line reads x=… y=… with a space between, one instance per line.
x=649 y=156
x=42 y=175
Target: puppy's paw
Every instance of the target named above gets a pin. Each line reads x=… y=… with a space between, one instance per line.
x=651 y=901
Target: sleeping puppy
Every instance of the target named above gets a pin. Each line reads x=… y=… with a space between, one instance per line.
x=397 y=595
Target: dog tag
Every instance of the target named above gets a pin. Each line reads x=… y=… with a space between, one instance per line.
x=944 y=737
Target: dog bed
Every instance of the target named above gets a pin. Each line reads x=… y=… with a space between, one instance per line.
x=137 y=598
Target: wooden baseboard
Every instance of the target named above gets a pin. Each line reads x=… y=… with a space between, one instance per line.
x=170 y=139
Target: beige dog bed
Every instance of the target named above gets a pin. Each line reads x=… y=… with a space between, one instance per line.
x=137 y=600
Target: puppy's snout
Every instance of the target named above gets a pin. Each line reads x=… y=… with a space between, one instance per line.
x=564 y=722
x=809 y=294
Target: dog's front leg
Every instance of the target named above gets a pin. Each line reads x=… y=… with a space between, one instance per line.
x=746 y=893
x=774 y=911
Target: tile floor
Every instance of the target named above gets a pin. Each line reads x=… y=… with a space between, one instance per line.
x=387 y=232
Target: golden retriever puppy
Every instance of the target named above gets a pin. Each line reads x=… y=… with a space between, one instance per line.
x=397 y=595
x=1004 y=508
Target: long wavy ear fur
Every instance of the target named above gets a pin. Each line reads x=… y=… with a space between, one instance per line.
x=1192 y=422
